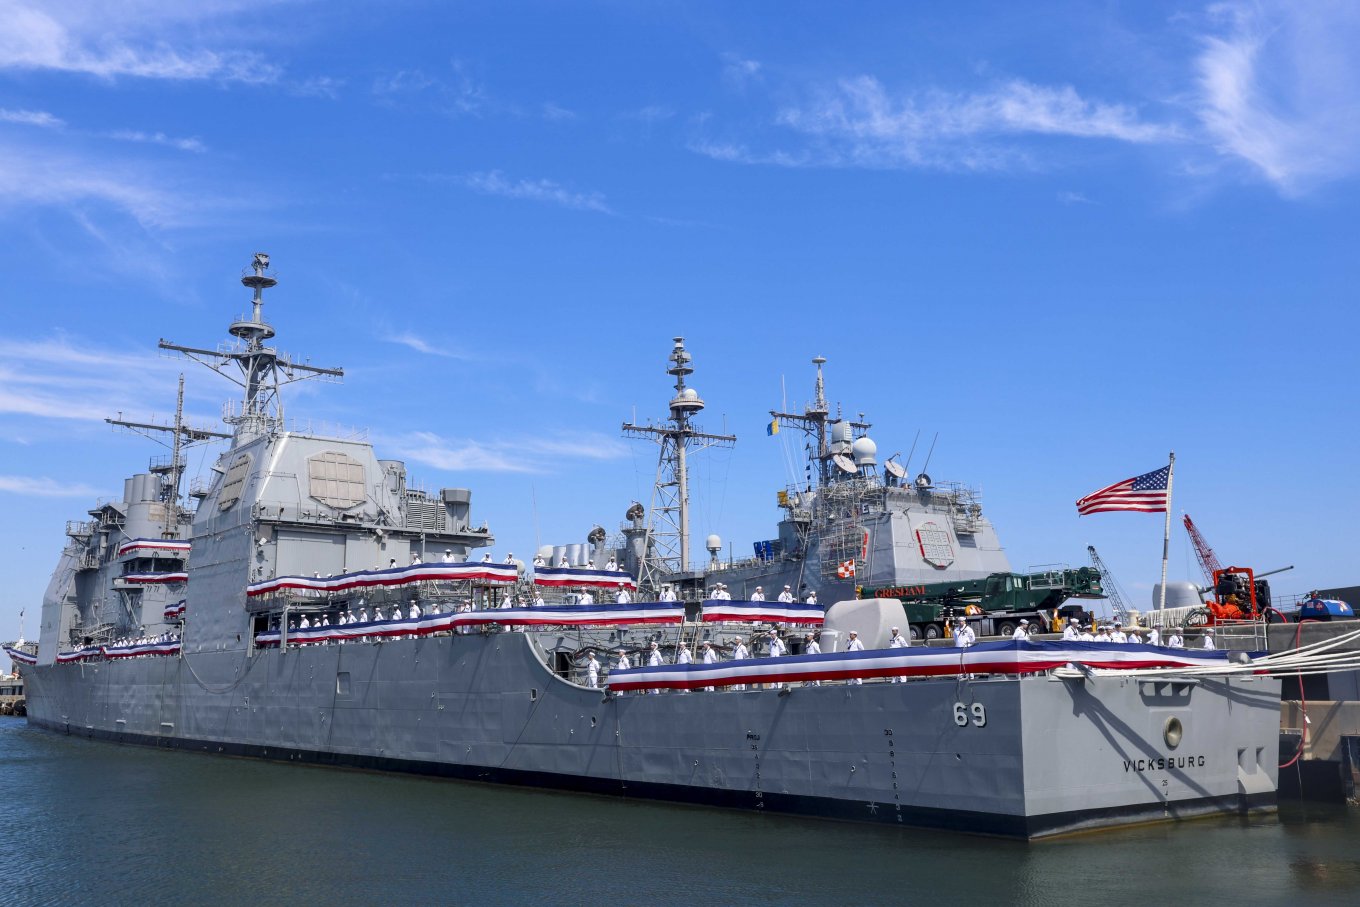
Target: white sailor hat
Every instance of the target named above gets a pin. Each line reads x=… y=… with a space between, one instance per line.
x=707 y=643
x=654 y=644
x=1208 y=629
x=1023 y=622
x=760 y=588
x=854 y=633
x=897 y=628
x=787 y=586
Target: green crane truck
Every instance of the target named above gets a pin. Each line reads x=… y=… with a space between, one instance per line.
x=994 y=605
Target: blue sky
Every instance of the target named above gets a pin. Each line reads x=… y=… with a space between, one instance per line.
x=1067 y=238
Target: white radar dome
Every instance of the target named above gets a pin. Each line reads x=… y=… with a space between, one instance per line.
x=713 y=543
x=865 y=451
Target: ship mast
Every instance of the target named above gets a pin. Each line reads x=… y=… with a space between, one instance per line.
x=813 y=421
x=172 y=472
x=263 y=369
x=665 y=547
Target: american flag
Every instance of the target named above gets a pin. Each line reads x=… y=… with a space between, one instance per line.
x=1145 y=493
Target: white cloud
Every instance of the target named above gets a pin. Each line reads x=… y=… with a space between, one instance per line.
x=1279 y=87
x=522 y=455
x=859 y=122
x=50 y=177
x=30 y=486
x=158 y=138
x=1073 y=198
x=62 y=379
x=494 y=182
x=556 y=114
x=739 y=71
x=57 y=178
x=127 y=39
x=422 y=345
x=31 y=118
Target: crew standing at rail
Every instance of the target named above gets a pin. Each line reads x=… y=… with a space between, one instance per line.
x=593 y=672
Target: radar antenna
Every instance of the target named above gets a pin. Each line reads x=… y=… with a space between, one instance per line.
x=665 y=548
x=263 y=369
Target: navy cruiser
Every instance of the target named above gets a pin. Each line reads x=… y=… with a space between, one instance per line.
x=308 y=605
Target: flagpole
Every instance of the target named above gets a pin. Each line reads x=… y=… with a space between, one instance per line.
x=1166 y=537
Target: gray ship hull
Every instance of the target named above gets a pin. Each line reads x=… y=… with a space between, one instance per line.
x=1049 y=757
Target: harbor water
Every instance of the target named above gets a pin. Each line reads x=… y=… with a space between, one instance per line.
x=89 y=822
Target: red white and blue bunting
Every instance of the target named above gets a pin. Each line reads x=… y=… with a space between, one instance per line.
x=153 y=546
x=138 y=650
x=175 y=611
x=82 y=654
x=776 y=612
x=1009 y=657
x=18 y=656
x=582 y=577
x=392 y=576
x=153 y=579
x=567 y=615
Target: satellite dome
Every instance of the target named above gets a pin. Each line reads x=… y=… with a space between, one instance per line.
x=865 y=452
x=713 y=543
x=690 y=393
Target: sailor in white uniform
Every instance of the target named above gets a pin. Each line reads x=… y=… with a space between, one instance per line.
x=1208 y=639
x=538 y=601
x=739 y=653
x=1155 y=635
x=1022 y=631
x=538 y=561
x=667 y=594
x=448 y=555
x=654 y=661
x=593 y=672
x=1070 y=632
x=898 y=641
x=510 y=557
x=811 y=647
x=776 y=649
x=758 y=595
x=562 y=561
x=486 y=558
x=812 y=597
x=786 y=596
x=415 y=610
x=623 y=597
x=415 y=557
x=391 y=563
x=854 y=645
x=1103 y=634
x=1118 y=635
x=1175 y=640
x=1086 y=635
x=708 y=657
x=611 y=564
x=587 y=598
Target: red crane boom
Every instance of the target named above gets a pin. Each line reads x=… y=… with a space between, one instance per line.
x=1208 y=561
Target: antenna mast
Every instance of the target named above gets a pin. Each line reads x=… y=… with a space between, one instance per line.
x=172 y=472
x=666 y=543
x=261 y=407
x=813 y=421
